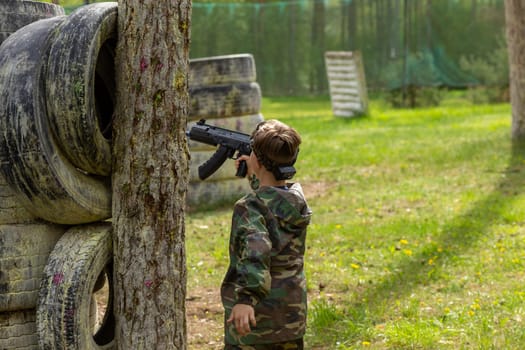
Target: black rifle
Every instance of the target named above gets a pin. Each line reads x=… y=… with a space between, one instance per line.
x=229 y=142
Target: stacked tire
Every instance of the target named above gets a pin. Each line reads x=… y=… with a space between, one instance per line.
x=55 y=246
x=15 y=14
x=25 y=240
x=224 y=91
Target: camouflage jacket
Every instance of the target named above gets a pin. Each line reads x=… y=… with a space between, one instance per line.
x=267 y=245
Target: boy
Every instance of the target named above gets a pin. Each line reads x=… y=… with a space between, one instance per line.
x=264 y=290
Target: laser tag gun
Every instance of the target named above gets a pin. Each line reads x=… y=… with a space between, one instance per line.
x=228 y=141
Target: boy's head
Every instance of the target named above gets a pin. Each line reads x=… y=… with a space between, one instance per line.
x=275 y=144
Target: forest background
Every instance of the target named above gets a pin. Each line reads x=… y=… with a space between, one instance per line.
x=412 y=49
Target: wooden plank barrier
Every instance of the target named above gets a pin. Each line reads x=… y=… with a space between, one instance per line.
x=346 y=82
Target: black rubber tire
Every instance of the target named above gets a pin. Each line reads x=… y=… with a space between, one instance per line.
x=3 y=36
x=32 y=164
x=64 y=308
x=16 y=14
x=209 y=193
x=80 y=86
x=18 y=330
x=11 y=210
x=220 y=70
x=219 y=101
x=24 y=250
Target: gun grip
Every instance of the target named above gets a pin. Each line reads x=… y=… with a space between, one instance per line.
x=242 y=169
x=214 y=163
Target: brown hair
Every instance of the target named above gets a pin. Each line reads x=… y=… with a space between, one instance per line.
x=275 y=144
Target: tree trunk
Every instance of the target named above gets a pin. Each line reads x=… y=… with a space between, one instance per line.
x=150 y=173
x=515 y=18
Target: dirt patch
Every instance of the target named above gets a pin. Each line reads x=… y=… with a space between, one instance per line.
x=204 y=317
x=316 y=188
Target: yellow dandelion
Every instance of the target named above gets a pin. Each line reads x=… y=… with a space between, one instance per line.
x=407 y=252
x=365 y=343
x=403 y=241
x=338 y=226
x=354 y=266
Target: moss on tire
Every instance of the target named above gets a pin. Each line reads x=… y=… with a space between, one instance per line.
x=24 y=250
x=17 y=14
x=80 y=86
x=42 y=179
x=18 y=330
x=220 y=101
x=220 y=70
x=64 y=317
x=11 y=210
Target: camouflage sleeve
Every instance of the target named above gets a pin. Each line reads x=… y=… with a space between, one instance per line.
x=253 y=265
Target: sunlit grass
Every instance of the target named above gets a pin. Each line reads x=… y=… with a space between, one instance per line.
x=417 y=239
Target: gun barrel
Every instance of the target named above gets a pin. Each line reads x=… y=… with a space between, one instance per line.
x=202 y=134
x=214 y=135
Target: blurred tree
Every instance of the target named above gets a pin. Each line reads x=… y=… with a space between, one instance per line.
x=150 y=173
x=515 y=17
x=317 y=73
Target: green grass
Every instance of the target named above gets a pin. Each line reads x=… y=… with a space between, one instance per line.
x=417 y=239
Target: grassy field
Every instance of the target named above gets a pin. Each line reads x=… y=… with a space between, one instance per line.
x=417 y=239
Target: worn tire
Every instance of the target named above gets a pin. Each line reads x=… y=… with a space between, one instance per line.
x=31 y=162
x=3 y=36
x=220 y=70
x=18 y=330
x=11 y=210
x=209 y=193
x=219 y=101
x=80 y=86
x=73 y=268
x=17 y=14
x=24 y=250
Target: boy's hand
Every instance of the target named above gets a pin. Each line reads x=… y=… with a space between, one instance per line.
x=242 y=316
x=246 y=159
x=238 y=160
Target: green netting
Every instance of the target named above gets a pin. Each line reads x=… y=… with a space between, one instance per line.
x=403 y=42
